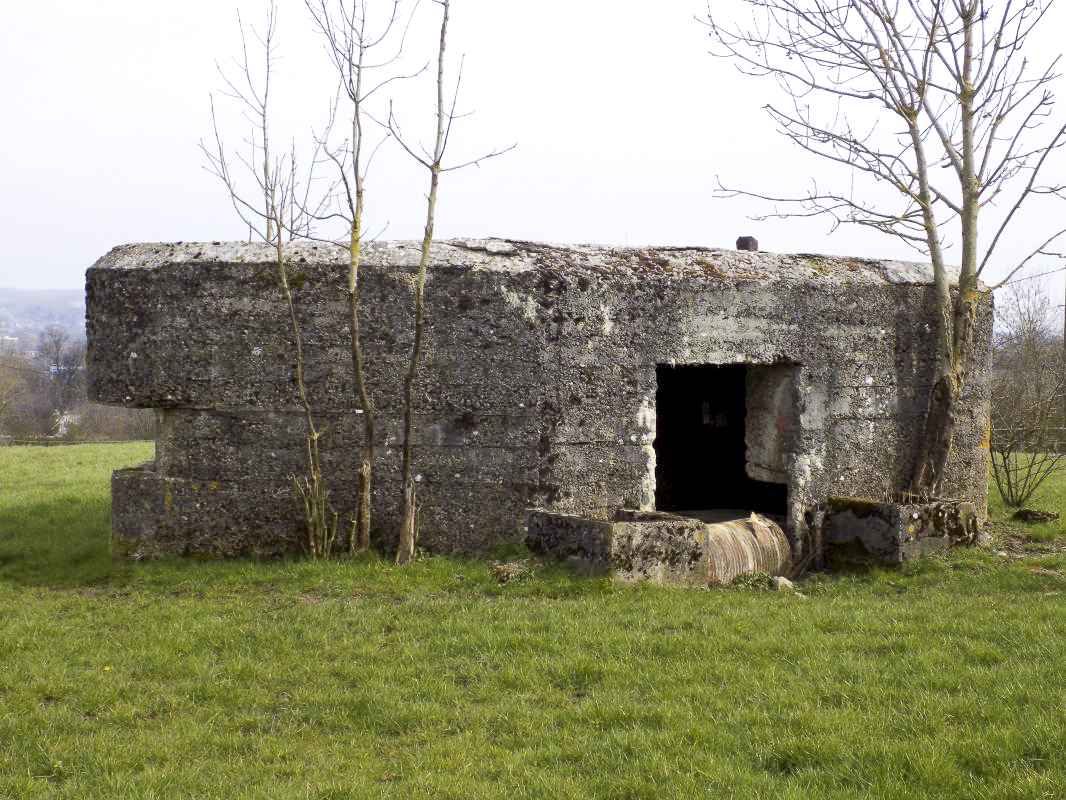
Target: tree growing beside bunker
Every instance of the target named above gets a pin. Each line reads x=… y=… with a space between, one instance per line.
x=274 y=212
x=434 y=164
x=351 y=38
x=932 y=105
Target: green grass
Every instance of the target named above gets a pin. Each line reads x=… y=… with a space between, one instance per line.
x=54 y=510
x=945 y=678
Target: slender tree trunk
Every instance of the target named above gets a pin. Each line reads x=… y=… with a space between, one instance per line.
x=269 y=192
x=409 y=519
x=360 y=535
x=360 y=531
x=283 y=279
x=320 y=518
x=360 y=538
x=312 y=497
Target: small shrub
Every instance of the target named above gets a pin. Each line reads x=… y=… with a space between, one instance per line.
x=760 y=581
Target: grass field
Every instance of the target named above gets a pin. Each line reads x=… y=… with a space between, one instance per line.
x=945 y=678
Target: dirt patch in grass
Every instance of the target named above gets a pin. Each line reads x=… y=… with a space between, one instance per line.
x=1016 y=546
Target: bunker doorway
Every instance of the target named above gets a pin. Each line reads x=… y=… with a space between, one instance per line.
x=700 y=450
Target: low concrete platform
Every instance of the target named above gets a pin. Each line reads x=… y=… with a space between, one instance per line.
x=662 y=548
x=858 y=528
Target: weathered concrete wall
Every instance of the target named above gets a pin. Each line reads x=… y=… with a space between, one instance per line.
x=772 y=420
x=537 y=387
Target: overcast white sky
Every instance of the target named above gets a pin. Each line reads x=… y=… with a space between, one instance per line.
x=621 y=119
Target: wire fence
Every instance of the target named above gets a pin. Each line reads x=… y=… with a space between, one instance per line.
x=7 y=441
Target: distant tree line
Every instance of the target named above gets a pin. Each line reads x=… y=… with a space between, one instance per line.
x=43 y=396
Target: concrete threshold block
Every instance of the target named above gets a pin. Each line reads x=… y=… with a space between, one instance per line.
x=661 y=548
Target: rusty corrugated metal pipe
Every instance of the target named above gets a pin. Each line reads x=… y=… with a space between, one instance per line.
x=742 y=546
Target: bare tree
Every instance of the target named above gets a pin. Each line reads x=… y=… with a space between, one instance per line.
x=935 y=100
x=29 y=412
x=65 y=361
x=70 y=376
x=12 y=385
x=1027 y=390
x=51 y=343
x=435 y=165
x=281 y=212
x=350 y=38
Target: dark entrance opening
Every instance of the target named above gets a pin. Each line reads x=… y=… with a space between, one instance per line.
x=699 y=443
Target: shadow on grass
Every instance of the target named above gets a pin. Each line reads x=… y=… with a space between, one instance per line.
x=59 y=543
x=59 y=540
x=62 y=544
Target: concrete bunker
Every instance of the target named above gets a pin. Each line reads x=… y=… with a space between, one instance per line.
x=545 y=383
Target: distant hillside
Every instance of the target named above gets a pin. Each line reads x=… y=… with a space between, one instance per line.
x=24 y=312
